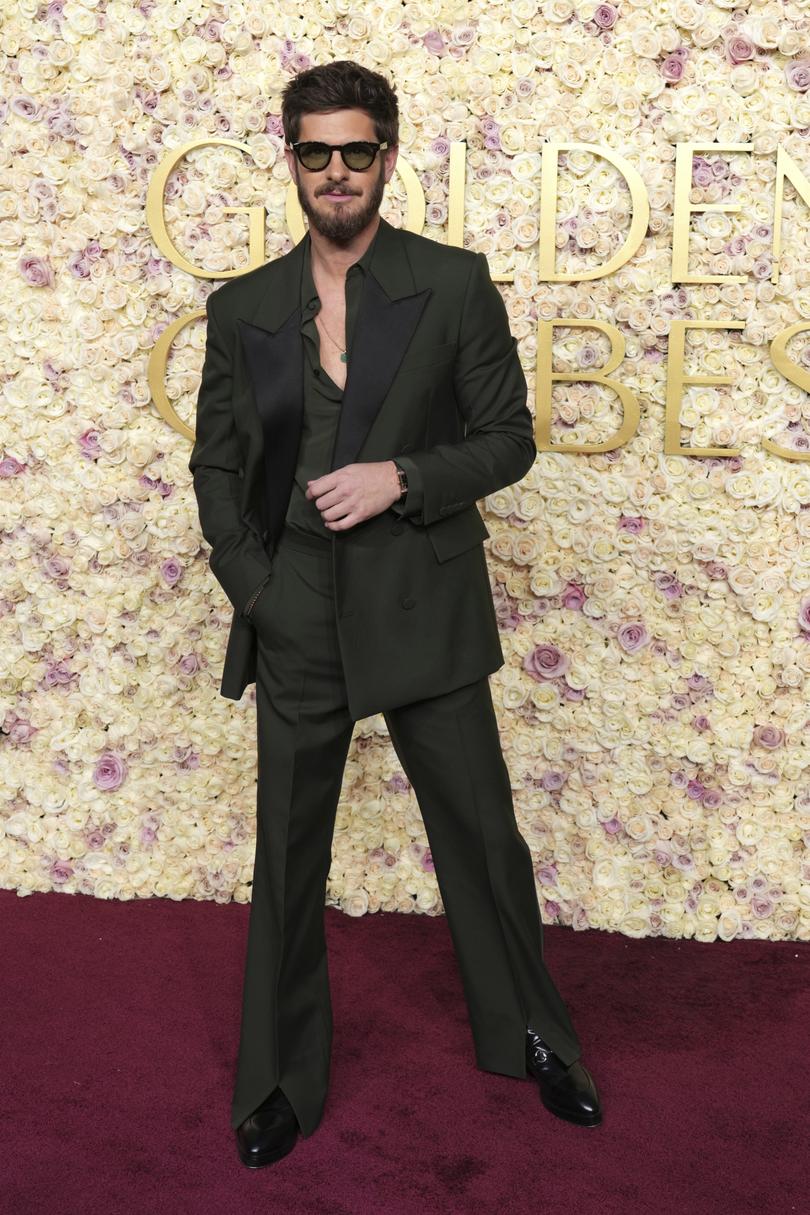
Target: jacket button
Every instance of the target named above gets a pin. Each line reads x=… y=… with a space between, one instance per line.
x=407 y=602
x=397 y=529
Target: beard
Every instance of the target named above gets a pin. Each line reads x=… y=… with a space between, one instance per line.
x=342 y=223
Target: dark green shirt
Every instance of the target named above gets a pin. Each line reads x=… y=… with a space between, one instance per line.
x=322 y=396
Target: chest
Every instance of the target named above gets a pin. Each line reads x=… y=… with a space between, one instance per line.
x=330 y=322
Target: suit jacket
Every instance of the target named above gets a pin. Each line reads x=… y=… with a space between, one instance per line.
x=434 y=381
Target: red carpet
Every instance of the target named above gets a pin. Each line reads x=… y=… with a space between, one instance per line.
x=120 y=1032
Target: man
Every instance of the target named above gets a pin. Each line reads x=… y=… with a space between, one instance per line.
x=359 y=395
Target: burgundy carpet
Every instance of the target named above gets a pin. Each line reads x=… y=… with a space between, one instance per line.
x=120 y=1024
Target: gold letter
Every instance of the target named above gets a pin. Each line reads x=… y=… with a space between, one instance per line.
x=546 y=379
x=157 y=223
x=156 y=373
x=785 y=167
x=795 y=374
x=677 y=377
x=684 y=208
x=548 y=214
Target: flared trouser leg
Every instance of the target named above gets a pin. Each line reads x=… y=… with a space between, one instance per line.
x=449 y=747
x=303 y=736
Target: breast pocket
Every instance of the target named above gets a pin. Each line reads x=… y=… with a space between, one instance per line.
x=429 y=356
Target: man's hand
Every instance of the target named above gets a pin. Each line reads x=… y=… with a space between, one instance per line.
x=355 y=492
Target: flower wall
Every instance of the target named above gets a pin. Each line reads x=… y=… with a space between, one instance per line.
x=654 y=608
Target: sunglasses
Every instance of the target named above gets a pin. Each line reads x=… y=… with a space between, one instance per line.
x=356 y=156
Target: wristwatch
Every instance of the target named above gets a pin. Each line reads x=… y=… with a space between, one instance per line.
x=403 y=480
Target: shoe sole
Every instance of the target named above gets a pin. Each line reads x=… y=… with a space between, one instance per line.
x=254 y=1160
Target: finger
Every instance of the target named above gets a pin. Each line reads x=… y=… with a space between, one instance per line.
x=329 y=499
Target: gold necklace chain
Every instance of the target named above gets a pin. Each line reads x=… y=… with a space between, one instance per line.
x=332 y=340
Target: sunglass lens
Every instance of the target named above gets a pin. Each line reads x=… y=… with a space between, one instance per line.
x=358 y=155
x=314 y=155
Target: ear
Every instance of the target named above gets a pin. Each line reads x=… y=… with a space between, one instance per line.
x=390 y=161
x=294 y=168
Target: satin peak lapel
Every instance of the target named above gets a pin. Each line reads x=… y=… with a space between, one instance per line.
x=382 y=333
x=271 y=340
x=389 y=311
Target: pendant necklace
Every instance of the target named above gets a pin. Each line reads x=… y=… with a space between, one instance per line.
x=343 y=358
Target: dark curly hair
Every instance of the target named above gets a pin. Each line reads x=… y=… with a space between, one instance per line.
x=340 y=85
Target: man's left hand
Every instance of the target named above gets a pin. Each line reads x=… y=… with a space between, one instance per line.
x=355 y=492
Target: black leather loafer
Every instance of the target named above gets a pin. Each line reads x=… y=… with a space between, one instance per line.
x=269 y=1133
x=569 y=1092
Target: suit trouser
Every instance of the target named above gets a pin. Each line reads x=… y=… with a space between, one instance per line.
x=449 y=748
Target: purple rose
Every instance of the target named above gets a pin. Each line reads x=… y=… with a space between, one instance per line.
x=762 y=908
x=573 y=596
x=89 y=444
x=739 y=49
x=632 y=636
x=804 y=615
x=172 y=571
x=672 y=68
x=21 y=731
x=434 y=43
x=701 y=172
x=398 y=783
x=797 y=75
x=769 y=736
x=545 y=662
x=109 y=772
x=57 y=674
x=606 y=16
x=552 y=780
x=36 y=271
x=668 y=584
x=24 y=106
x=55 y=566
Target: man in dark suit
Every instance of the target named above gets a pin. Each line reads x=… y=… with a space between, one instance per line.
x=359 y=395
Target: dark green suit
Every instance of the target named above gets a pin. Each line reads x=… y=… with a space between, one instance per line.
x=394 y=615
x=434 y=382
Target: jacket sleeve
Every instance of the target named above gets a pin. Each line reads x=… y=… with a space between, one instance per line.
x=238 y=559
x=498 y=447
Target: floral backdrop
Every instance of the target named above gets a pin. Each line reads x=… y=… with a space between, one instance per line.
x=655 y=609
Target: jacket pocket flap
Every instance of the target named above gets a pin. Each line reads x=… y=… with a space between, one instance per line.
x=456 y=533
